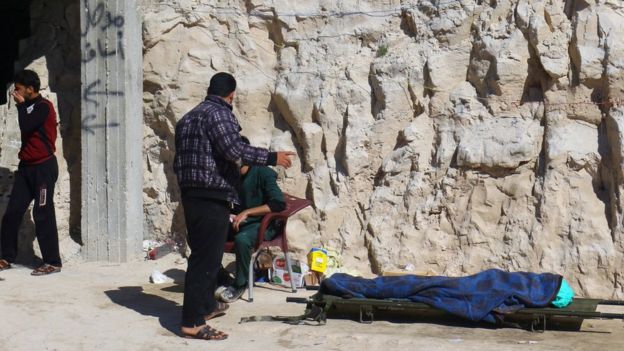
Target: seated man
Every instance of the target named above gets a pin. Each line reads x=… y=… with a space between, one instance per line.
x=259 y=194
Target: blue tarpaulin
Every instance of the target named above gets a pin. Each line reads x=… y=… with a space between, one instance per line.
x=477 y=297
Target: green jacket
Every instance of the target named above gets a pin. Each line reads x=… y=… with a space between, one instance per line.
x=259 y=187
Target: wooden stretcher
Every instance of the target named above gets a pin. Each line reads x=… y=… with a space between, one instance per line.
x=320 y=307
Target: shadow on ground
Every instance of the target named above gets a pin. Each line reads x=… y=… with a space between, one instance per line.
x=150 y=303
x=177 y=275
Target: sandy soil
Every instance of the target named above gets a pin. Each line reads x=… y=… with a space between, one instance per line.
x=92 y=306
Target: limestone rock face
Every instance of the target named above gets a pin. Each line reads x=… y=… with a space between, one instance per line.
x=500 y=143
x=456 y=136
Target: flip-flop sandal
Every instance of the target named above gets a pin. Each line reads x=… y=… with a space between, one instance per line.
x=4 y=264
x=218 y=311
x=207 y=333
x=45 y=270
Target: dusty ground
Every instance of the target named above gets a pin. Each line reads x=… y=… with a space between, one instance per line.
x=113 y=307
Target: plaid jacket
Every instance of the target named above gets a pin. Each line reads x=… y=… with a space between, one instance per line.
x=209 y=149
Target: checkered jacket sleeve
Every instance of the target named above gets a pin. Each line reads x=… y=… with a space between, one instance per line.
x=224 y=134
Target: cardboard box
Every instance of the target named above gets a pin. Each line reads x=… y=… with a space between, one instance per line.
x=312 y=279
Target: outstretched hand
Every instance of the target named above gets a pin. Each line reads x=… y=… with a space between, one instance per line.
x=283 y=158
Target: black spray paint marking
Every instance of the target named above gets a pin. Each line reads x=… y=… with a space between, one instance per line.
x=102 y=19
x=91 y=90
x=92 y=127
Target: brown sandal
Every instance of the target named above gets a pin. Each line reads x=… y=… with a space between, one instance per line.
x=207 y=333
x=4 y=264
x=45 y=270
x=218 y=311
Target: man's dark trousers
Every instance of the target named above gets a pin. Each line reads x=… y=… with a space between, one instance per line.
x=207 y=224
x=33 y=182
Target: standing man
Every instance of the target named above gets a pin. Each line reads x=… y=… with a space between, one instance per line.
x=35 y=177
x=209 y=150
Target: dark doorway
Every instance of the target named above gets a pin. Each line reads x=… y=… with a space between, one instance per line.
x=14 y=26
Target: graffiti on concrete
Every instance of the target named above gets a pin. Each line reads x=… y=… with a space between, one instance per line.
x=99 y=43
x=100 y=19
x=92 y=90
x=91 y=127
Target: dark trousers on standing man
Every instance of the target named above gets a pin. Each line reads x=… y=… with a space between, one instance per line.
x=33 y=182
x=207 y=224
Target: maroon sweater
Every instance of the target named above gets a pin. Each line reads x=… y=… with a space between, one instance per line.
x=37 y=122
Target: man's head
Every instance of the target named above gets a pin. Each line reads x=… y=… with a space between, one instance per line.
x=27 y=84
x=223 y=84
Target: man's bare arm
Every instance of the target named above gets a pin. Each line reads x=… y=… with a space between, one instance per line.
x=254 y=211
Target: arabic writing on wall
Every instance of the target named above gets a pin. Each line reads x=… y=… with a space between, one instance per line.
x=99 y=21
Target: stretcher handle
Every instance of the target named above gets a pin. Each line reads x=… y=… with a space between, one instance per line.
x=297 y=299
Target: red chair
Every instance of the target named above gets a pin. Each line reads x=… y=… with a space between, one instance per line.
x=293 y=205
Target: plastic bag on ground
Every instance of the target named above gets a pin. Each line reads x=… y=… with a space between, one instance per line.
x=159 y=278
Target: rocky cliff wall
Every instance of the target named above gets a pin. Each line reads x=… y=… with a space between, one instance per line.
x=453 y=135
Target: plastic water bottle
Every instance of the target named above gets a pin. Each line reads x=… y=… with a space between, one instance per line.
x=161 y=251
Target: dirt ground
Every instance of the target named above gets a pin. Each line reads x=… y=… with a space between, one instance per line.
x=93 y=306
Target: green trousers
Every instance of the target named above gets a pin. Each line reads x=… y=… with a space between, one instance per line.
x=244 y=242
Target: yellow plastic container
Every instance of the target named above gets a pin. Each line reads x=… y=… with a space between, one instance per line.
x=317 y=259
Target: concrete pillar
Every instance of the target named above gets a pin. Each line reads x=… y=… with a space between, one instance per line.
x=112 y=130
